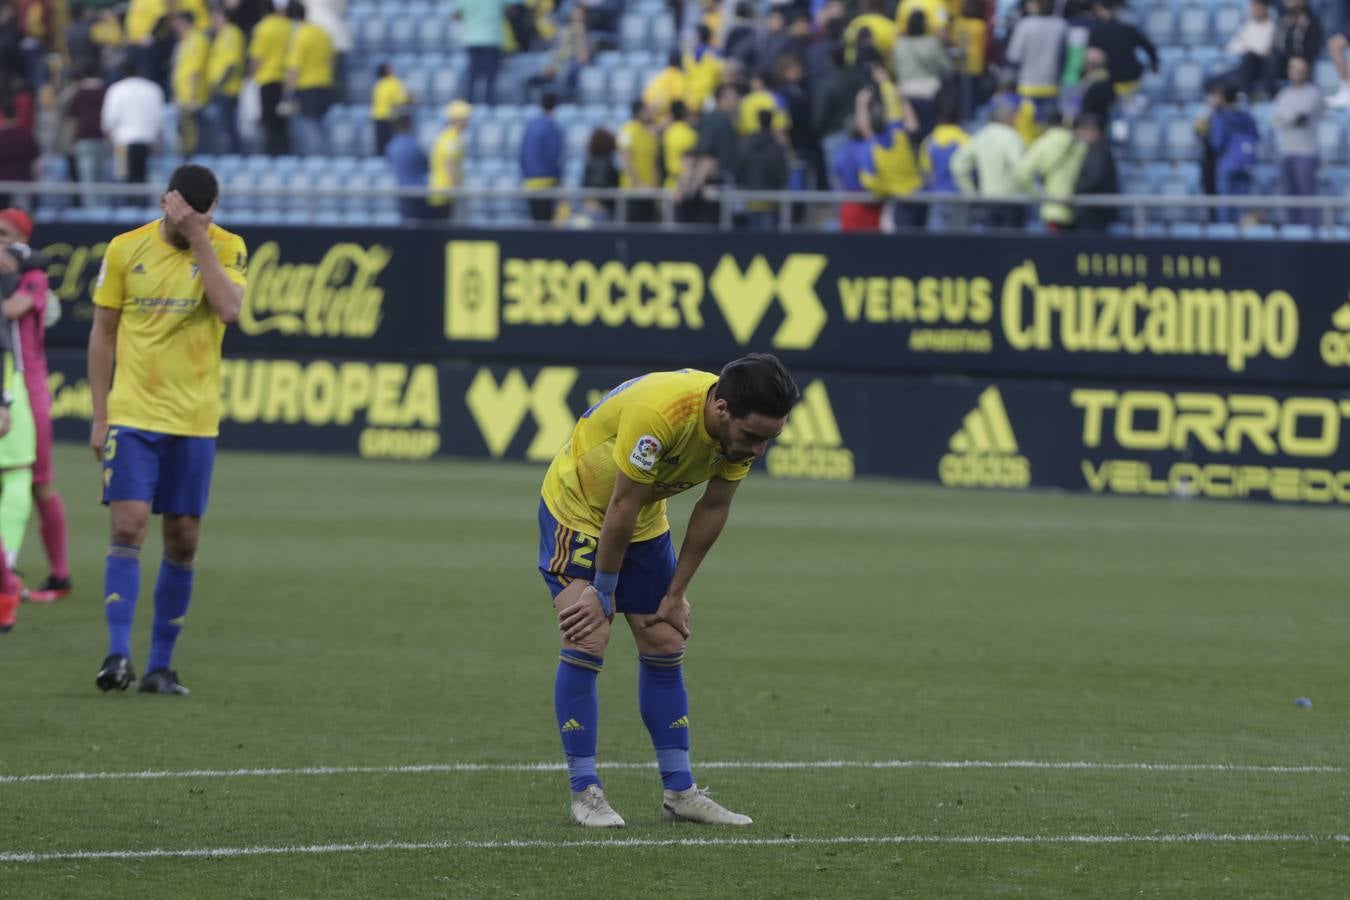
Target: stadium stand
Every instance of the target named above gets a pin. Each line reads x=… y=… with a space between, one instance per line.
x=1156 y=146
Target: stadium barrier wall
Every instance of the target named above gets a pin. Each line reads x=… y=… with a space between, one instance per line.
x=1257 y=313
x=1121 y=438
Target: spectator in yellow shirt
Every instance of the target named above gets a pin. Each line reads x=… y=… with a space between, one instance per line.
x=678 y=141
x=267 y=68
x=189 y=80
x=387 y=100
x=970 y=39
x=873 y=20
x=934 y=15
x=224 y=78
x=639 y=151
x=703 y=67
x=447 y=160
x=665 y=88
x=309 y=78
x=761 y=98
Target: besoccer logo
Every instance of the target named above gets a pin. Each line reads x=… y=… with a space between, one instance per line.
x=811 y=445
x=1335 y=345
x=984 y=449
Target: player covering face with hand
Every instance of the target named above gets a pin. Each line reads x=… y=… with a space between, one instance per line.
x=163 y=298
x=605 y=548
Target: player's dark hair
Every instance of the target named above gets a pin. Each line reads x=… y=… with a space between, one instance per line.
x=197 y=184
x=757 y=383
x=549 y=102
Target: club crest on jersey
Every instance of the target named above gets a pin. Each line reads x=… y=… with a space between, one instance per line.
x=195 y=269
x=645 y=453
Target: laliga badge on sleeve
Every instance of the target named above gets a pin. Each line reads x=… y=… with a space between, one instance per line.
x=645 y=453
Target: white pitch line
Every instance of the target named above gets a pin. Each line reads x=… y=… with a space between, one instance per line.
x=1203 y=837
x=769 y=765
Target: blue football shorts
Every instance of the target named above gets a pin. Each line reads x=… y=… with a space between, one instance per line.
x=170 y=472
x=566 y=555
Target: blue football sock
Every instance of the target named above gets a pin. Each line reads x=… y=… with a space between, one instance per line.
x=173 y=593
x=665 y=711
x=577 y=703
x=121 y=584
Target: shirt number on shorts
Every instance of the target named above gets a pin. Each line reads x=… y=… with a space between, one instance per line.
x=582 y=556
x=110 y=445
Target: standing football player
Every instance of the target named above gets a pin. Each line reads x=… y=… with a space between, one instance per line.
x=605 y=548
x=27 y=306
x=163 y=298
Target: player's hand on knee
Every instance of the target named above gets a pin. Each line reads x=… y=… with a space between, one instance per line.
x=584 y=616
x=674 y=611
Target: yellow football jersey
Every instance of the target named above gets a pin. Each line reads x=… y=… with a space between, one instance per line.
x=189 y=65
x=167 y=370
x=650 y=429
x=267 y=48
x=225 y=64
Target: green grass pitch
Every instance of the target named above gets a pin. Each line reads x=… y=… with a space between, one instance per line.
x=376 y=616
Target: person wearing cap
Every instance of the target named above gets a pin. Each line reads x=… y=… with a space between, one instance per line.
x=447 y=160
x=267 y=67
x=23 y=484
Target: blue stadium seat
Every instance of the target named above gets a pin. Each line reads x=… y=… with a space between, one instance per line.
x=431 y=35
x=1179 y=140
x=1160 y=24
x=1297 y=232
x=591 y=85
x=1193 y=26
x=1145 y=138
x=1228 y=19
x=1260 y=231
x=1222 y=230
x=370 y=35
x=342 y=132
x=663 y=37
x=1187 y=230
x=1331 y=140
x=444 y=84
x=1188 y=81
x=402 y=34
x=418 y=81
x=625 y=86
x=1325 y=76
x=634 y=32
x=488 y=138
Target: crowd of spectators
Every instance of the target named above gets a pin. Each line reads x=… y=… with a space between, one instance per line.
x=876 y=97
x=903 y=101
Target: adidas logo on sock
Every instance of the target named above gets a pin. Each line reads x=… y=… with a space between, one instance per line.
x=573 y=725
x=681 y=722
x=984 y=449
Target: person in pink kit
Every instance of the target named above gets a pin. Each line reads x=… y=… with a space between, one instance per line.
x=27 y=309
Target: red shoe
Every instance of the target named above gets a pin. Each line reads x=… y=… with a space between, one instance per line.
x=49 y=591
x=9 y=607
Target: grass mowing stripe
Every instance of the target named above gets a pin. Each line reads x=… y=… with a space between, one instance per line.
x=1203 y=837
x=761 y=765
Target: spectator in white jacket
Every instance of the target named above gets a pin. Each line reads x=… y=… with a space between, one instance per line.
x=1036 y=48
x=1252 y=45
x=133 y=115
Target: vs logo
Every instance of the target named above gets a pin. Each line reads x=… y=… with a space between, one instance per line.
x=499 y=410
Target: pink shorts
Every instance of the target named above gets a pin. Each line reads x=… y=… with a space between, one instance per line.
x=42 y=424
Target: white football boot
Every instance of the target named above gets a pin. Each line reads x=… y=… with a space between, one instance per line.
x=592 y=810
x=694 y=805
